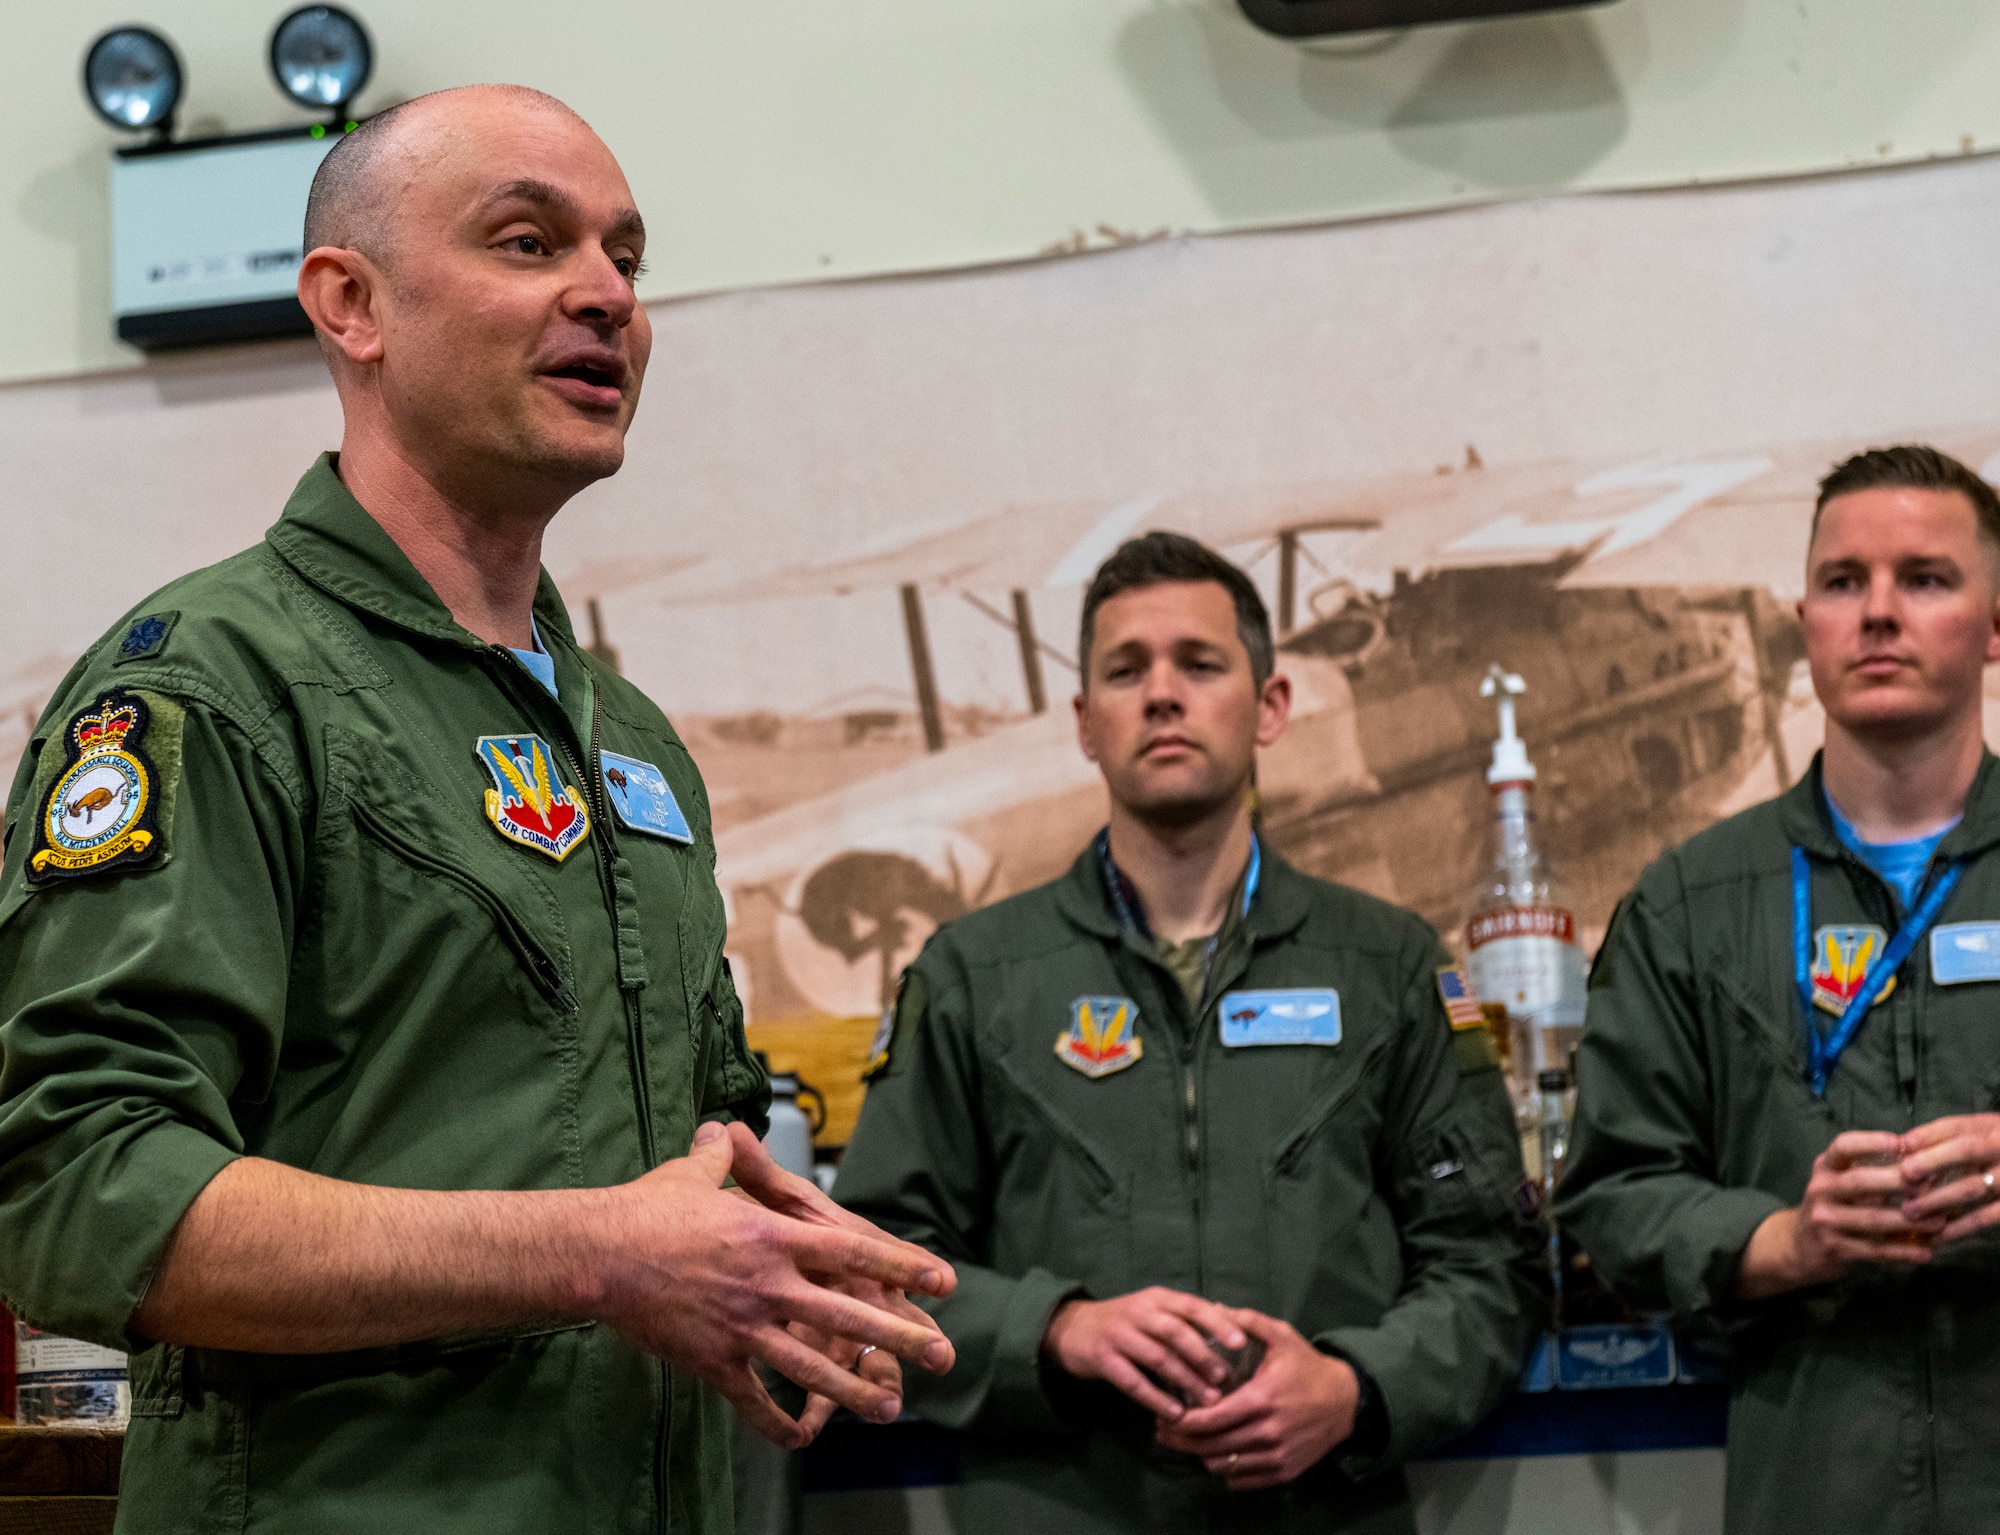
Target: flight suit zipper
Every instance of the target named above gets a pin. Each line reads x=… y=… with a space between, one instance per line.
x=591 y=781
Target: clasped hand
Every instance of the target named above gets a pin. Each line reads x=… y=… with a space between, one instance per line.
x=1298 y=1405
x=1876 y=1197
x=773 y=1272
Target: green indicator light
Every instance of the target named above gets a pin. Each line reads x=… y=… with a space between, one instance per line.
x=319 y=130
x=350 y=127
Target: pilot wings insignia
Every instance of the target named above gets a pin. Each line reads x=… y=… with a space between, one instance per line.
x=1102 y=1036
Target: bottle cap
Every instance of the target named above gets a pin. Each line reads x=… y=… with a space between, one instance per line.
x=1554 y=1080
x=1510 y=753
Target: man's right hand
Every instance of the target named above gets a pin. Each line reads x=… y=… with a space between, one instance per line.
x=714 y=1282
x=1156 y=1333
x=1849 y=1215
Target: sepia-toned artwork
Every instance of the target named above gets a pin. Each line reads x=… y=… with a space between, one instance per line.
x=1579 y=438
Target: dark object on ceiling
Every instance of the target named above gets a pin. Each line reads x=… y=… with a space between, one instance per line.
x=1321 y=18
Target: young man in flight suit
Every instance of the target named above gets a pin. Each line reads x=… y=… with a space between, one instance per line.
x=1788 y=1077
x=1187 y=1099
x=361 y=981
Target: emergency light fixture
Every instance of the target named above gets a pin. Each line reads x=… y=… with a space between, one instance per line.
x=321 y=57
x=132 y=78
x=205 y=233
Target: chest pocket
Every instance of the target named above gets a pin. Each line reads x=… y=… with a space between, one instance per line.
x=400 y=812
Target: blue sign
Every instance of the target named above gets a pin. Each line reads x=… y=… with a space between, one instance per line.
x=1590 y=1358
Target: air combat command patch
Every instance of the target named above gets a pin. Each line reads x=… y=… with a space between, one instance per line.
x=1841 y=957
x=528 y=803
x=103 y=811
x=1102 y=1037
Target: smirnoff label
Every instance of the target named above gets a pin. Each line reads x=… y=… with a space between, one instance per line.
x=1521 y=922
x=1526 y=958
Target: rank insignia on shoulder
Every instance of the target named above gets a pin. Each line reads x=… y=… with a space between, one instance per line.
x=103 y=811
x=1102 y=1037
x=644 y=800
x=1841 y=957
x=1299 y=1016
x=1461 y=1002
x=145 y=636
x=528 y=803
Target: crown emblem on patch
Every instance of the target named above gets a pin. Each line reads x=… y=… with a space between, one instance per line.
x=1102 y=1037
x=105 y=731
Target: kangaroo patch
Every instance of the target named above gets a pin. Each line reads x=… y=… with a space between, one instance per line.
x=102 y=812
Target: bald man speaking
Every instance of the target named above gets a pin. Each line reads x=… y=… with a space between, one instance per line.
x=371 y=1069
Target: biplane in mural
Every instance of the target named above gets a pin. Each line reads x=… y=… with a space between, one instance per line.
x=1649 y=608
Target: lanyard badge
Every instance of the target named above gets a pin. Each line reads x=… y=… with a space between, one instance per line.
x=1823 y=1051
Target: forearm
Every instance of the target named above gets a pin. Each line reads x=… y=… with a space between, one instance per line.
x=271 y=1259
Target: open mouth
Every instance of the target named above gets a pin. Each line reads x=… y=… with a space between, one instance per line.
x=583 y=372
x=595 y=383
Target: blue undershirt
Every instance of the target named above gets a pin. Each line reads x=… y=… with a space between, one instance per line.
x=1901 y=864
x=542 y=664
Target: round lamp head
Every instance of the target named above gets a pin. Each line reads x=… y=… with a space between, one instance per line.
x=321 y=57
x=133 y=78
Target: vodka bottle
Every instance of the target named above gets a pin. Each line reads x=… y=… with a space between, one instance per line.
x=1521 y=939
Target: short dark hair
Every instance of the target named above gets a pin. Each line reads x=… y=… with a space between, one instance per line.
x=1157 y=558
x=1913 y=466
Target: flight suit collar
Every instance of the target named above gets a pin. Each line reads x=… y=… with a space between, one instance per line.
x=1808 y=824
x=1282 y=901
x=328 y=537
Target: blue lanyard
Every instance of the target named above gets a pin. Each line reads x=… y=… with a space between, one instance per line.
x=1823 y=1052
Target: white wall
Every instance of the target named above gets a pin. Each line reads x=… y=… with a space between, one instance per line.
x=791 y=140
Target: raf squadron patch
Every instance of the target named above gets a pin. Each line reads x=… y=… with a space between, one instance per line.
x=639 y=792
x=1841 y=957
x=1102 y=1036
x=528 y=803
x=103 y=812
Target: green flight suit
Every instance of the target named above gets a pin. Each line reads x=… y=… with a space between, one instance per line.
x=330 y=956
x=1869 y=1405
x=1368 y=1192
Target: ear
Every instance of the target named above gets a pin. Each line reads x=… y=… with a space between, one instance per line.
x=1083 y=726
x=341 y=291
x=1993 y=636
x=1274 y=708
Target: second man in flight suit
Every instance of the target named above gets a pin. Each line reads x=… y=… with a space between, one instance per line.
x=1186 y=1093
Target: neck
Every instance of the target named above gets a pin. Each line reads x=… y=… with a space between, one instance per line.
x=1184 y=873
x=1898 y=789
x=482 y=556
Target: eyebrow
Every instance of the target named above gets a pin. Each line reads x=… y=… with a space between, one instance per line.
x=625 y=223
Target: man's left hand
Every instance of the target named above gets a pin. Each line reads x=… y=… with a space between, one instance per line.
x=1951 y=1168
x=1285 y=1418
x=759 y=1178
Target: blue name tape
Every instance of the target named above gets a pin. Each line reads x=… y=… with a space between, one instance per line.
x=1965 y=951
x=1302 y=1017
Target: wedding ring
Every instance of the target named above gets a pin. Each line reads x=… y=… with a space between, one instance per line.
x=1987 y=1179
x=866 y=1350
x=1234 y=1457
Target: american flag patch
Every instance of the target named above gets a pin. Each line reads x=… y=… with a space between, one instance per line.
x=1460 y=1005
